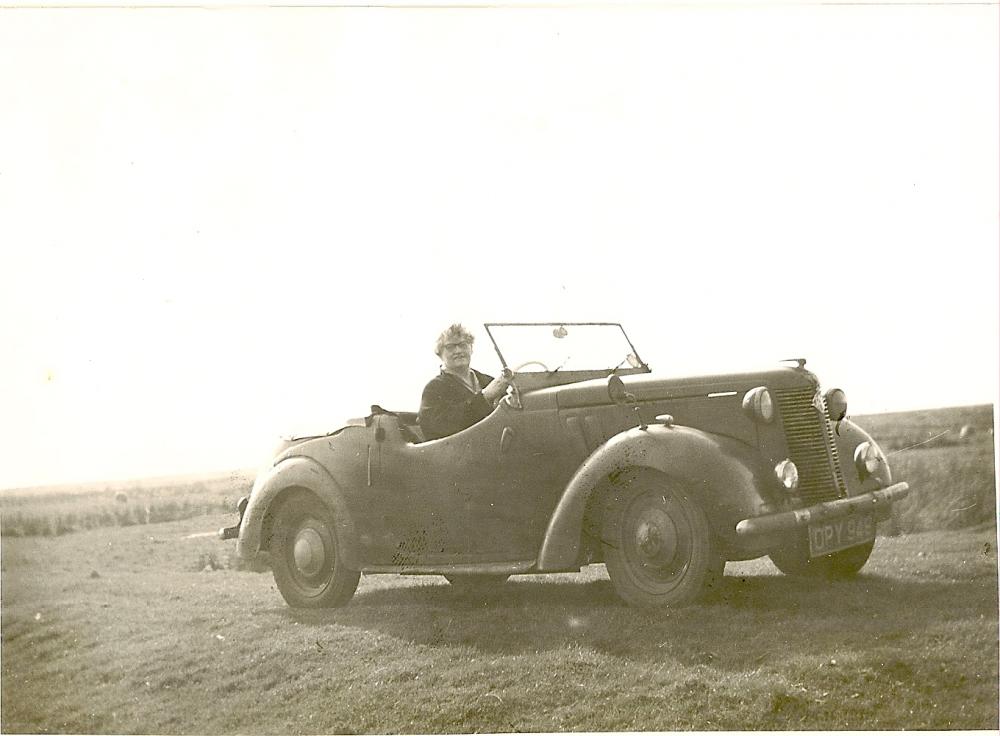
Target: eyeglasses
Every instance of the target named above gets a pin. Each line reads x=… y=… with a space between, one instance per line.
x=455 y=345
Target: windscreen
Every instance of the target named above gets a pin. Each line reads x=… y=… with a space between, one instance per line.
x=552 y=347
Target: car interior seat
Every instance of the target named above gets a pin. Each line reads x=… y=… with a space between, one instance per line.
x=408 y=422
x=409 y=425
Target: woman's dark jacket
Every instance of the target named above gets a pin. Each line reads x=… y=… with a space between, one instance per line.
x=448 y=406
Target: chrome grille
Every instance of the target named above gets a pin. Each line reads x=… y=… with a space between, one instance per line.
x=811 y=445
x=838 y=474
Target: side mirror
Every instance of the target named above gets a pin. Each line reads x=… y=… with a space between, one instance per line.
x=616 y=390
x=618 y=394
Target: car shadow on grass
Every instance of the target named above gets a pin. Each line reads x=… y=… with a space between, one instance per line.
x=533 y=615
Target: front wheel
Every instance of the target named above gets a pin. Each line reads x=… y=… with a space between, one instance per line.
x=658 y=545
x=307 y=557
x=794 y=559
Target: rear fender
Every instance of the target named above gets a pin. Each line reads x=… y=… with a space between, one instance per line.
x=724 y=475
x=271 y=489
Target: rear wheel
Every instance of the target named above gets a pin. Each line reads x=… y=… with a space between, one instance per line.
x=658 y=545
x=307 y=558
x=793 y=559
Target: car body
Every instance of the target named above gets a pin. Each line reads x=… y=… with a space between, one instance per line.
x=594 y=459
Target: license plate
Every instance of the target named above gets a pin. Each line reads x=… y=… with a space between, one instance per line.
x=833 y=536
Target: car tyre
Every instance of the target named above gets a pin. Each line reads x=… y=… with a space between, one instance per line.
x=794 y=560
x=658 y=546
x=307 y=555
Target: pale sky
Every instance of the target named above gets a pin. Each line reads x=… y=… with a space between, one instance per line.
x=221 y=225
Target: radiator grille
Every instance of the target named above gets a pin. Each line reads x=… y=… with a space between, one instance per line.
x=811 y=445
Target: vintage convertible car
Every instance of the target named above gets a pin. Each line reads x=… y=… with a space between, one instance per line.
x=589 y=458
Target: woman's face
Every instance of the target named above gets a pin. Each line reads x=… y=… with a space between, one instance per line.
x=456 y=356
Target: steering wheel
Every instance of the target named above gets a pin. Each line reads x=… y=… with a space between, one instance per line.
x=533 y=362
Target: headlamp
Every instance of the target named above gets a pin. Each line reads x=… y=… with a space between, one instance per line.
x=836 y=404
x=788 y=474
x=758 y=405
x=867 y=458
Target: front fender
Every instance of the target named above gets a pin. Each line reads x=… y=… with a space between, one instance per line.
x=269 y=489
x=848 y=436
x=725 y=475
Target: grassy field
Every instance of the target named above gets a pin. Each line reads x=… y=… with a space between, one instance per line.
x=127 y=633
x=151 y=627
x=930 y=427
x=952 y=477
x=65 y=509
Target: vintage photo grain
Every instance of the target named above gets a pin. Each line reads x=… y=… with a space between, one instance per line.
x=494 y=368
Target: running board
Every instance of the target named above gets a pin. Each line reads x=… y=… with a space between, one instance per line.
x=474 y=568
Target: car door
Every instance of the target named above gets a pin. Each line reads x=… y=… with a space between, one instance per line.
x=421 y=495
x=400 y=516
x=509 y=516
x=484 y=494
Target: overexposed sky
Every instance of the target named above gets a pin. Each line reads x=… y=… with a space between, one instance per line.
x=219 y=225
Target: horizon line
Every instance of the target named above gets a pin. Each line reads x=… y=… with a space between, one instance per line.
x=251 y=469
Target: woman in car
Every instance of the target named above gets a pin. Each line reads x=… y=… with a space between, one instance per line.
x=458 y=396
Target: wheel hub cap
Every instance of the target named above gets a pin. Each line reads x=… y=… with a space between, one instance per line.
x=649 y=540
x=656 y=539
x=309 y=552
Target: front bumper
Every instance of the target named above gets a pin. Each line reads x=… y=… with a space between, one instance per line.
x=878 y=501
